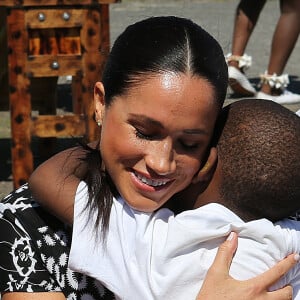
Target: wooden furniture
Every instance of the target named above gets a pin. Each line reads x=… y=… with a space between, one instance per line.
x=47 y=39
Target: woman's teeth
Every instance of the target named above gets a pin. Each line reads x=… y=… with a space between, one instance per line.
x=152 y=182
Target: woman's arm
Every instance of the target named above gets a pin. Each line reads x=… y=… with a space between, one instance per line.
x=53 y=184
x=219 y=285
x=33 y=296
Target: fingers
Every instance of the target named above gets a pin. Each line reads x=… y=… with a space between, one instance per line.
x=225 y=254
x=275 y=273
x=219 y=285
x=285 y=293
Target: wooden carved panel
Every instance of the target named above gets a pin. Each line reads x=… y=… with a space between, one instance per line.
x=32 y=3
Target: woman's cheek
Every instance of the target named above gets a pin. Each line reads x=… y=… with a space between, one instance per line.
x=129 y=147
x=190 y=166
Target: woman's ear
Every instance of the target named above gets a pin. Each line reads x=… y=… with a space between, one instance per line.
x=206 y=172
x=99 y=102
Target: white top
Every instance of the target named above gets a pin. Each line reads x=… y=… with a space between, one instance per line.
x=162 y=256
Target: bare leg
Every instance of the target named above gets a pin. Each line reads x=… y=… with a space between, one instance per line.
x=284 y=39
x=246 y=17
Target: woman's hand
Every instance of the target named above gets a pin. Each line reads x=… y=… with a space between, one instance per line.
x=218 y=284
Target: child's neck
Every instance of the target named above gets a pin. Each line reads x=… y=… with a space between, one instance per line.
x=192 y=197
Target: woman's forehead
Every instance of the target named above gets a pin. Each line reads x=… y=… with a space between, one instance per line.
x=167 y=81
x=171 y=97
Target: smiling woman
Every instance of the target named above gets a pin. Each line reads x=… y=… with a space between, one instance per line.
x=165 y=78
x=159 y=149
x=162 y=89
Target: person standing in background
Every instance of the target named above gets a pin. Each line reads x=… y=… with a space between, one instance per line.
x=273 y=83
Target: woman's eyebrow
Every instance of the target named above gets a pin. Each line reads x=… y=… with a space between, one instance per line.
x=150 y=121
x=143 y=118
x=195 y=131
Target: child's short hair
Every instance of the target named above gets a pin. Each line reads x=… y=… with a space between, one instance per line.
x=259 y=154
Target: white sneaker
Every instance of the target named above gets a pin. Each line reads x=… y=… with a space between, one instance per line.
x=286 y=97
x=298 y=112
x=239 y=83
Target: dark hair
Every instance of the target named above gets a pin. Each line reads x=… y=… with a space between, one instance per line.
x=258 y=150
x=147 y=48
x=161 y=44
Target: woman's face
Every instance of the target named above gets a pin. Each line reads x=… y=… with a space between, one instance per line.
x=155 y=136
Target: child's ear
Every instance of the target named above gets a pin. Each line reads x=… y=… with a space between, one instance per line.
x=206 y=172
x=99 y=102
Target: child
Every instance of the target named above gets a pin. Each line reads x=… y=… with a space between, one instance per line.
x=162 y=256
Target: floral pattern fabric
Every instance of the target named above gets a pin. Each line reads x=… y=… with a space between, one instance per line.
x=34 y=251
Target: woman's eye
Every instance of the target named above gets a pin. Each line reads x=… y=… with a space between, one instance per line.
x=143 y=135
x=189 y=146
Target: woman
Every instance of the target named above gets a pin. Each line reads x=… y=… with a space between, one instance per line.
x=163 y=87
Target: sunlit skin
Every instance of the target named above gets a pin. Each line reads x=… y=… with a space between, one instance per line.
x=154 y=137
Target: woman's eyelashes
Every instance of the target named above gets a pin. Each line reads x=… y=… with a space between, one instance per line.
x=189 y=146
x=142 y=134
x=185 y=145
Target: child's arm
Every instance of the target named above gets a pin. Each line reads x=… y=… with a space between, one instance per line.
x=53 y=184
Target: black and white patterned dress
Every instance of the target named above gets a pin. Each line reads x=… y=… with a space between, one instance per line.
x=34 y=251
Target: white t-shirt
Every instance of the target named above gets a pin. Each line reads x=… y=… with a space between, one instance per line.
x=162 y=256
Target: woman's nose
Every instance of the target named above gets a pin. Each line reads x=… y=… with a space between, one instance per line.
x=161 y=157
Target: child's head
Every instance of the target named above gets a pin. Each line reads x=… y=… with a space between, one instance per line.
x=259 y=159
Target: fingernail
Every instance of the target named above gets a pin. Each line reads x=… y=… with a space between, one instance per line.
x=230 y=237
x=297 y=257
